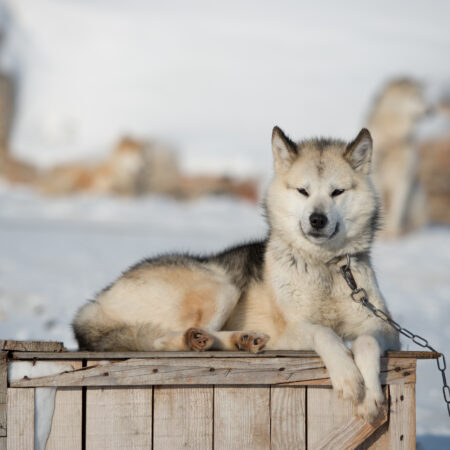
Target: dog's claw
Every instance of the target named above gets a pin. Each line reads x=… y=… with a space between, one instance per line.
x=372 y=407
x=251 y=341
x=198 y=339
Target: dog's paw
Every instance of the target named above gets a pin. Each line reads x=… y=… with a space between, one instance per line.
x=348 y=382
x=250 y=341
x=198 y=340
x=372 y=408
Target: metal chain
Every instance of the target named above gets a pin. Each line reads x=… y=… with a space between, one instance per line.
x=359 y=295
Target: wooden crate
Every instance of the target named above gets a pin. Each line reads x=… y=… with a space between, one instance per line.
x=220 y=400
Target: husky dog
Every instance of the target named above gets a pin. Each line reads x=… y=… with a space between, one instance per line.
x=393 y=121
x=285 y=292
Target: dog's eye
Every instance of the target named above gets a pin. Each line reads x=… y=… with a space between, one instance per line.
x=303 y=192
x=337 y=192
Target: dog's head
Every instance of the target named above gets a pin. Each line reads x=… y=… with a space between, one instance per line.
x=321 y=197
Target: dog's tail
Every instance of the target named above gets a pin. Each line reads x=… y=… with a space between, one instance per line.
x=95 y=331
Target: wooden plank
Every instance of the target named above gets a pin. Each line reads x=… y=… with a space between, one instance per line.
x=163 y=355
x=288 y=418
x=392 y=371
x=402 y=418
x=332 y=423
x=377 y=440
x=3 y=443
x=67 y=420
x=32 y=346
x=3 y=392
x=29 y=355
x=182 y=417
x=241 y=418
x=20 y=419
x=67 y=416
x=280 y=371
x=413 y=355
x=118 y=419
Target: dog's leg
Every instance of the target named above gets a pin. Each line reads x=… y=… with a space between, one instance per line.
x=345 y=376
x=250 y=341
x=204 y=314
x=401 y=194
x=195 y=339
x=367 y=350
x=198 y=339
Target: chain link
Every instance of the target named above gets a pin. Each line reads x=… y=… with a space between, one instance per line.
x=359 y=295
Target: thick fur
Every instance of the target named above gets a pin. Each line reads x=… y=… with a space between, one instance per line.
x=393 y=121
x=285 y=292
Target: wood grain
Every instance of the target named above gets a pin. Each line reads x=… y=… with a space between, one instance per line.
x=29 y=355
x=402 y=418
x=241 y=418
x=32 y=346
x=67 y=420
x=118 y=419
x=280 y=371
x=3 y=392
x=288 y=418
x=20 y=419
x=183 y=417
x=332 y=423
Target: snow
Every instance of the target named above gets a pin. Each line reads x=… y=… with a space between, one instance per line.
x=210 y=77
x=58 y=252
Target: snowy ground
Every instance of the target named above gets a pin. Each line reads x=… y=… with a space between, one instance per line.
x=57 y=253
x=213 y=78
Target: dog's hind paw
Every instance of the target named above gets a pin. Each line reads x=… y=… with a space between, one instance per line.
x=198 y=340
x=250 y=341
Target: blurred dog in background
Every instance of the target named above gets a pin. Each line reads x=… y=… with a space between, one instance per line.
x=392 y=122
x=137 y=167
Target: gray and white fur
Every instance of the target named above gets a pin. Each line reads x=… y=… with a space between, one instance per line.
x=285 y=292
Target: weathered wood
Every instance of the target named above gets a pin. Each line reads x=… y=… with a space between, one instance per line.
x=413 y=355
x=164 y=355
x=3 y=392
x=183 y=417
x=288 y=418
x=118 y=419
x=3 y=443
x=67 y=420
x=332 y=423
x=20 y=419
x=264 y=408
x=280 y=371
x=393 y=371
x=376 y=441
x=241 y=417
x=29 y=355
x=32 y=346
x=402 y=418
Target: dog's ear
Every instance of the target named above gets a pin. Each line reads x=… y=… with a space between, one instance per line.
x=359 y=152
x=284 y=150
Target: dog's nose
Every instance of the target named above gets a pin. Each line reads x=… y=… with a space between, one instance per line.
x=318 y=220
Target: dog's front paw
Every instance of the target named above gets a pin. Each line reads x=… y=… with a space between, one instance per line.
x=198 y=339
x=373 y=406
x=347 y=381
x=250 y=341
